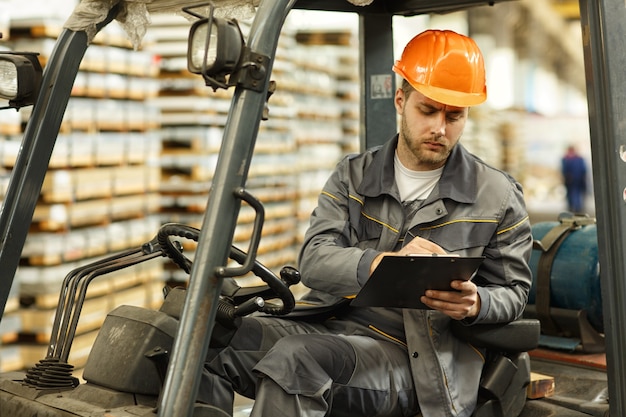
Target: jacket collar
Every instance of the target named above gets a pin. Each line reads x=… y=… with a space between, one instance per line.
x=458 y=180
x=378 y=177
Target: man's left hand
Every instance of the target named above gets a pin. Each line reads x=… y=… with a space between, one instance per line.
x=460 y=304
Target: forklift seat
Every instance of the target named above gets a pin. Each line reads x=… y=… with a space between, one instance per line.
x=506 y=373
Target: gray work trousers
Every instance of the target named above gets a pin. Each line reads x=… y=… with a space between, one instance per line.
x=298 y=369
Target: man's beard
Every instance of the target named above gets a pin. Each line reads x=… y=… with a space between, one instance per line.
x=421 y=156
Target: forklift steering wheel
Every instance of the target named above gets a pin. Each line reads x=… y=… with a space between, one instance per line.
x=278 y=286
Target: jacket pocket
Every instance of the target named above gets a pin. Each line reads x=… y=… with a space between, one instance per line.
x=368 y=232
x=459 y=235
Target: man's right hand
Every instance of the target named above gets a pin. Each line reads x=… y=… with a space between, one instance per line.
x=417 y=245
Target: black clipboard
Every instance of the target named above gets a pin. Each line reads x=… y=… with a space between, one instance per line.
x=400 y=281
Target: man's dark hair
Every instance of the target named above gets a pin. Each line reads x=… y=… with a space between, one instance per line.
x=407 y=88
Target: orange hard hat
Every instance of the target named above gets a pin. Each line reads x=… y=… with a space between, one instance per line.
x=444 y=66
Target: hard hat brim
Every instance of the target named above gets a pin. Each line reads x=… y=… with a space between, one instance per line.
x=443 y=95
x=451 y=97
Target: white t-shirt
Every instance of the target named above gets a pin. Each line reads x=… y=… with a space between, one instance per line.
x=414 y=185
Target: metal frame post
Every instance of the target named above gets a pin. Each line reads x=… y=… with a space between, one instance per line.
x=603 y=27
x=378 y=114
x=194 y=333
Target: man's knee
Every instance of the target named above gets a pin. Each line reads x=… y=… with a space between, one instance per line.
x=318 y=357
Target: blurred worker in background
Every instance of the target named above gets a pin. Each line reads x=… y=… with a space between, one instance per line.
x=574 y=170
x=420 y=192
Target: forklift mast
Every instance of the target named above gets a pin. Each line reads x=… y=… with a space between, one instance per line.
x=603 y=26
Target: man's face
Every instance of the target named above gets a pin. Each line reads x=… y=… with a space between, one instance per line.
x=428 y=130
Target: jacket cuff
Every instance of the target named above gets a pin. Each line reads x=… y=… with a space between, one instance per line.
x=485 y=301
x=363 y=270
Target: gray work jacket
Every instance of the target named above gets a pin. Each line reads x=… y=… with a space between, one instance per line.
x=474 y=210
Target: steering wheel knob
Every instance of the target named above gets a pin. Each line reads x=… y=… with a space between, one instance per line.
x=290 y=275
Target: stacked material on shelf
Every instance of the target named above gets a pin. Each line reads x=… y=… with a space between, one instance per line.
x=327 y=110
x=10 y=326
x=100 y=195
x=192 y=126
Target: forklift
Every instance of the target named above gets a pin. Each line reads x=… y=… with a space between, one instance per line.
x=158 y=373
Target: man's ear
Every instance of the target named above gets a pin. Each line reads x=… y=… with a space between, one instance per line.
x=398 y=100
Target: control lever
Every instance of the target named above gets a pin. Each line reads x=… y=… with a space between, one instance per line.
x=249 y=306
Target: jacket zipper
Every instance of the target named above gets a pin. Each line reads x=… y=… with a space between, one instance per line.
x=445 y=377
